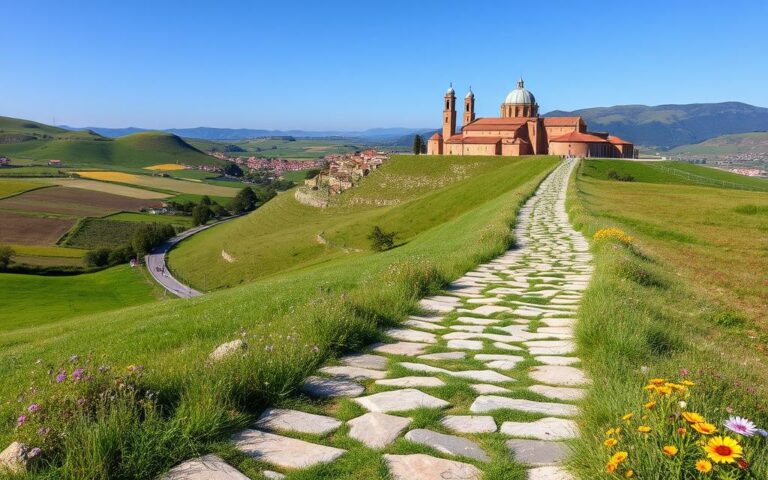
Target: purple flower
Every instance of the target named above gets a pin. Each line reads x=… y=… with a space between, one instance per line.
x=21 y=420
x=34 y=452
x=61 y=376
x=35 y=407
x=740 y=425
x=684 y=372
x=762 y=432
x=78 y=374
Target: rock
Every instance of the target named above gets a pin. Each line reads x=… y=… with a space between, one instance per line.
x=484 y=388
x=502 y=364
x=465 y=344
x=556 y=360
x=409 y=349
x=354 y=373
x=437 y=306
x=559 y=393
x=14 y=458
x=468 y=328
x=483 y=376
x=478 y=321
x=407 y=335
x=538 y=452
x=373 y=362
x=400 y=400
x=426 y=318
x=489 y=403
x=273 y=475
x=423 y=325
x=320 y=387
x=377 y=430
x=549 y=473
x=226 y=349
x=296 y=421
x=506 y=346
x=426 y=467
x=420 y=367
x=559 y=375
x=449 y=444
x=443 y=356
x=283 y=451
x=544 y=429
x=485 y=357
x=412 y=382
x=487 y=310
x=208 y=467
x=470 y=423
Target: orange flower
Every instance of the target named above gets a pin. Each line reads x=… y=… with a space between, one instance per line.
x=628 y=417
x=650 y=405
x=657 y=381
x=611 y=467
x=609 y=442
x=669 y=450
x=723 y=450
x=643 y=429
x=619 y=457
x=704 y=466
x=692 y=417
x=704 y=428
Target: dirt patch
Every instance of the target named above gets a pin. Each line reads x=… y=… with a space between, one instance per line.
x=30 y=230
x=73 y=201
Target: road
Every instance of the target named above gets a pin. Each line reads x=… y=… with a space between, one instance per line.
x=157 y=267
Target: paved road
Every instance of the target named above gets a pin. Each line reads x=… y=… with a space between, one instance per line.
x=157 y=267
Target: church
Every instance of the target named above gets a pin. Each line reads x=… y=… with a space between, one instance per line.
x=520 y=131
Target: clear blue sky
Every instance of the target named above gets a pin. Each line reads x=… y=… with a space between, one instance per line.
x=353 y=65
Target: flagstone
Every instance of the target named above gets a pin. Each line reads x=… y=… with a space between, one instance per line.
x=410 y=349
x=320 y=387
x=485 y=388
x=275 y=419
x=543 y=429
x=559 y=375
x=423 y=325
x=465 y=344
x=489 y=403
x=411 y=382
x=407 y=335
x=374 y=362
x=283 y=451
x=469 y=423
x=559 y=393
x=486 y=310
x=506 y=346
x=538 y=452
x=353 y=373
x=483 y=376
x=376 y=429
x=556 y=360
x=426 y=467
x=208 y=467
x=448 y=444
x=400 y=400
x=468 y=328
x=443 y=356
x=549 y=473
x=427 y=318
x=477 y=321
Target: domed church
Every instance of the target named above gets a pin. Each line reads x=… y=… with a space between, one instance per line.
x=520 y=131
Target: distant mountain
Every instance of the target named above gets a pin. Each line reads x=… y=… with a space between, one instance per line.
x=740 y=143
x=669 y=126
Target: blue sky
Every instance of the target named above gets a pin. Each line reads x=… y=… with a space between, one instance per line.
x=324 y=65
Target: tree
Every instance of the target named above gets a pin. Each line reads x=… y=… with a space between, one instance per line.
x=6 y=253
x=418 y=144
x=233 y=170
x=312 y=173
x=201 y=214
x=381 y=240
x=98 y=257
x=244 y=201
x=206 y=200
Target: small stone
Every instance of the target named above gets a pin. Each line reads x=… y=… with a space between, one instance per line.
x=477 y=321
x=423 y=325
x=409 y=349
x=443 y=356
x=353 y=373
x=226 y=349
x=412 y=382
x=273 y=475
x=484 y=388
x=559 y=393
x=450 y=444
x=470 y=423
x=468 y=328
x=502 y=364
x=556 y=360
x=407 y=335
x=426 y=318
x=465 y=344
x=296 y=421
x=485 y=357
x=427 y=467
x=538 y=452
x=400 y=400
x=559 y=375
x=437 y=306
x=487 y=310
x=506 y=346
x=544 y=429
x=489 y=403
x=320 y=387
x=14 y=458
x=420 y=367
x=374 y=362
x=377 y=430
x=549 y=473
x=483 y=376
x=208 y=467
x=283 y=451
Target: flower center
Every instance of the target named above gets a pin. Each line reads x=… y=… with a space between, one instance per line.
x=723 y=450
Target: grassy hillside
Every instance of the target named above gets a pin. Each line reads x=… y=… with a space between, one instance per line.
x=685 y=300
x=292 y=321
x=34 y=141
x=754 y=142
x=418 y=193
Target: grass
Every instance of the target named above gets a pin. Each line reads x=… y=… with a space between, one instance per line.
x=34 y=302
x=30 y=171
x=38 y=251
x=297 y=176
x=161 y=183
x=8 y=188
x=179 y=220
x=293 y=320
x=92 y=233
x=669 y=306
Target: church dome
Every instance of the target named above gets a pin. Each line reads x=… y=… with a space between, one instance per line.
x=469 y=93
x=520 y=95
x=450 y=90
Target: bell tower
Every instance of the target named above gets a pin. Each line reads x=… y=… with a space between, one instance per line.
x=449 y=114
x=469 y=108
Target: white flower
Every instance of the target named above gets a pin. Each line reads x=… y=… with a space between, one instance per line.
x=682 y=404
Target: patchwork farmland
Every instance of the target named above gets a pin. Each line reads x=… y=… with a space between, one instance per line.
x=160 y=183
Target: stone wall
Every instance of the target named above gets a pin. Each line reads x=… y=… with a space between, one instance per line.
x=312 y=198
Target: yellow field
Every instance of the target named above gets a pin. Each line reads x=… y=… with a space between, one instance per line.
x=165 y=167
x=107 y=188
x=161 y=183
x=28 y=250
x=13 y=187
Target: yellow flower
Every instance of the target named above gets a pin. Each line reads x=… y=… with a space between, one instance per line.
x=610 y=432
x=609 y=442
x=704 y=466
x=650 y=405
x=643 y=429
x=629 y=473
x=704 y=428
x=610 y=467
x=663 y=391
x=670 y=450
x=628 y=417
x=723 y=450
x=693 y=417
x=688 y=383
x=657 y=381
x=619 y=457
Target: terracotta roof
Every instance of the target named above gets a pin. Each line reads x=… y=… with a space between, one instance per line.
x=578 y=137
x=436 y=136
x=618 y=141
x=516 y=141
x=555 y=121
x=496 y=124
x=473 y=140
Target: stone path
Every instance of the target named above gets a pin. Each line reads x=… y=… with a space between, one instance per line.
x=501 y=334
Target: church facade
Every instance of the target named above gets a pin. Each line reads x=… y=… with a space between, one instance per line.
x=520 y=131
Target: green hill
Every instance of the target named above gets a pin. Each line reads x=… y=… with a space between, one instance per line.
x=37 y=142
x=755 y=142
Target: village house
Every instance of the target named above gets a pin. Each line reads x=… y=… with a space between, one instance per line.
x=54 y=163
x=5 y=162
x=343 y=171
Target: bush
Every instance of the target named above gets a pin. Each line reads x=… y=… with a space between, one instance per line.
x=98 y=257
x=201 y=214
x=614 y=175
x=381 y=240
x=233 y=170
x=244 y=201
x=6 y=253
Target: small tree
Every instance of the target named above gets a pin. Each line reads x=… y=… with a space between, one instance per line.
x=244 y=201
x=206 y=200
x=233 y=170
x=381 y=240
x=6 y=253
x=201 y=214
x=418 y=143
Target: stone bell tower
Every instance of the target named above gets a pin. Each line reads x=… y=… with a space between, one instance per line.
x=469 y=108
x=449 y=114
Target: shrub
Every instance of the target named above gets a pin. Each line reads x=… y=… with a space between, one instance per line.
x=6 y=253
x=614 y=175
x=97 y=258
x=381 y=240
x=613 y=233
x=244 y=201
x=200 y=215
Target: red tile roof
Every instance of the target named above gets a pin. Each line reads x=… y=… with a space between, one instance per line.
x=578 y=137
x=436 y=136
x=473 y=140
x=618 y=141
x=558 y=121
x=496 y=124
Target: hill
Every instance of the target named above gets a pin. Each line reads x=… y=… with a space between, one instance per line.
x=35 y=141
x=740 y=143
x=669 y=126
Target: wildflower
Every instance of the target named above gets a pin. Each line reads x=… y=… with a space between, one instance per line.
x=650 y=405
x=611 y=467
x=742 y=464
x=688 y=383
x=704 y=466
x=704 y=428
x=762 y=432
x=77 y=375
x=681 y=431
x=692 y=417
x=619 y=457
x=609 y=442
x=80 y=402
x=34 y=452
x=103 y=369
x=643 y=429
x=669 y=450
x=682 y=404
x=610 y=432
x=35 y=407
x=628 y=417
x=629 y=473
x=657 y=381
x=61 y=376
x=740 y=425
x=21 y=420
x=684 y=372
x=723 y=450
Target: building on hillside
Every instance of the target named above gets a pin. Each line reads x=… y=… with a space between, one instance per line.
x=519 y=130
x=5 y=161
x=54 y=163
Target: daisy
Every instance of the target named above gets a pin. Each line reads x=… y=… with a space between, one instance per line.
x=723 y=450
x=740 y=425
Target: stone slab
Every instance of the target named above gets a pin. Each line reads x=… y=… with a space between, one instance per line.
x=559 y=393
x=549 y=473
x=408 y=335
x=559 y=375
x=353 y=373
x=423 y=325
x=485 y=388
x=276 y=419
x=320 y=387
x=411 y=382
x=489 y=403
x=538 y=452
x=208 y=467
x=543 y=429
x=408 y=349
x=448 y=444
x=363 y=360
x=427 y=467
x=226 y=349
x=376 y=429
x=465 y=344
x=489 y=376
x=556 y=360
x=443 y=356
x=478 y=321
x=400 y=400
x=283 y=451
x=486 y=310
x=469 y=423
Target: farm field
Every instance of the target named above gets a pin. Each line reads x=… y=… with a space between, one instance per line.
x=72 y=201
x=14 y=187
x=166 y=167
x=303 y=148
x=106 y=187
x=19 y=229
x=161 y=183
x=184 y=221
x=30 y=171
x=93 y=233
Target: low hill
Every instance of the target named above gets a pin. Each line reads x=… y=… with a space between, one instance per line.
x=34 y=141
x=750 y=143
x=669 y=126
